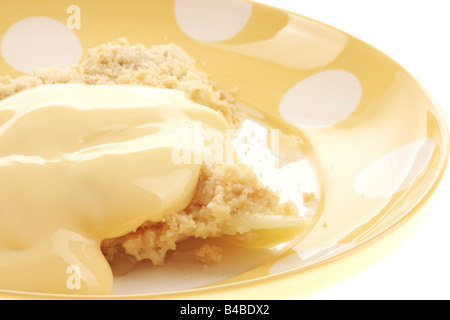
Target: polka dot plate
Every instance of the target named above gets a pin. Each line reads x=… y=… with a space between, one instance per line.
x=375 y=138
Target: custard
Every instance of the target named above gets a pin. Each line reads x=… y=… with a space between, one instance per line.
x=80 y=164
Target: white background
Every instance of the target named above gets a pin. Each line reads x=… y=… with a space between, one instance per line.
x=416 y=34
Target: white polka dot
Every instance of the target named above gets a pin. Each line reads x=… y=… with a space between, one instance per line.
x=40 y=42
x=396 y=170
x=323 y=99
x=212 y=20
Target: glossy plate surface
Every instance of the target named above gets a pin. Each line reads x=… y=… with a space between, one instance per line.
x=376 y=139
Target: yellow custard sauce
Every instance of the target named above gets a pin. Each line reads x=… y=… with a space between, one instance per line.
x=79 y=164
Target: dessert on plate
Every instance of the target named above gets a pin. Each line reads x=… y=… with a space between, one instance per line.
x=89 y=182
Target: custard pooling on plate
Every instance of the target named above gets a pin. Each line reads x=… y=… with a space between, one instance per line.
x=80 y=164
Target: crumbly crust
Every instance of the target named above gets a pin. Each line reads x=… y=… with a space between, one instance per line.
x=222 y=191
x=118 y=62
x=208 y=254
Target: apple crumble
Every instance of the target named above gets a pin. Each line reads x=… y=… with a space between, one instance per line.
x=229 y=198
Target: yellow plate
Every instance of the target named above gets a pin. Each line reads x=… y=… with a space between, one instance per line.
x=375 y=137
